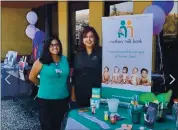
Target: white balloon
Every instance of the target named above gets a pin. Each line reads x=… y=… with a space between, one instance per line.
x=32 y=17
x=30 y=31
x=37 y=29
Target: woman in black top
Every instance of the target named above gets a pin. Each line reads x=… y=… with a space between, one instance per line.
x=87 y=67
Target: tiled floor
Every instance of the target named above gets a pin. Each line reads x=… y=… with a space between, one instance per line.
x=21 y=114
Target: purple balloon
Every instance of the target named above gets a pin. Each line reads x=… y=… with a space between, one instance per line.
x=165 y=5
x=158 y=14
x=157 y=29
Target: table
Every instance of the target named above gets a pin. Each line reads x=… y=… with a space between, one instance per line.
x=11 y=85
x=75 y=121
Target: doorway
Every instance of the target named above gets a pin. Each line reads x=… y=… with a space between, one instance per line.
x=78 y=19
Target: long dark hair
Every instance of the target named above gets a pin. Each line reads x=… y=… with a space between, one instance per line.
x=46 y=57
x=86 y=30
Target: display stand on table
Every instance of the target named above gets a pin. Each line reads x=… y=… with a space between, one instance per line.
x=12 y=85
x=126 y=67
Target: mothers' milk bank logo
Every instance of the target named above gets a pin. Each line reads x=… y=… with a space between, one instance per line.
x=126 y=29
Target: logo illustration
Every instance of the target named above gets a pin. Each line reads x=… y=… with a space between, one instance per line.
x=123 y=30
x=95 y=58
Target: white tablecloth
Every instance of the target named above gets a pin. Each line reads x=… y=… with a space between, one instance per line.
x=74 y=125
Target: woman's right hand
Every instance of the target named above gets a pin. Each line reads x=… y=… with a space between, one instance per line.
x=73 y=95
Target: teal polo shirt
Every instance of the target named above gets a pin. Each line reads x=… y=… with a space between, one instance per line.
x=54 y=85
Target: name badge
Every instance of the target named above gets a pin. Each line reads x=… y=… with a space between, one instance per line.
x=58 y=71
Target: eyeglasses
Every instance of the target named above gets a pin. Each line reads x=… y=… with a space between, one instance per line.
x=54 y=45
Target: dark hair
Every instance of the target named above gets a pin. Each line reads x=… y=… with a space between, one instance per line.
x=106 y=68
x=144 y=70
x=46 y=57
x=125 y=68
x=86 y=30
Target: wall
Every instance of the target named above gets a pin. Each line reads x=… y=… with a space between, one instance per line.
x=63 y=25
x=96 y=12
x=139 y=7
x=13 y=31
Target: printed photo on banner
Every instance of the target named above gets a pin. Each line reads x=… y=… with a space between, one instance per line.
x=120 y=76
x=127 y=52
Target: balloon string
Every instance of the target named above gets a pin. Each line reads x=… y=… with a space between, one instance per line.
x=159 y=45
x=35 y=53
x=161 y=64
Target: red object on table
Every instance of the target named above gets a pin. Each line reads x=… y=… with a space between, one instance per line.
x=175 y=100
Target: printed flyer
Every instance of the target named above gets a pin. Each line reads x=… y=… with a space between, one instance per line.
x=127 y=55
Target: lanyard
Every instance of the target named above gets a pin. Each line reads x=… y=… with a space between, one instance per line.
x=58 y=71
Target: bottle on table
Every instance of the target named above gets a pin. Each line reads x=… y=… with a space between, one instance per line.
x=93 y=109
x=112 y=118
x=175 y=112
x=106 y=115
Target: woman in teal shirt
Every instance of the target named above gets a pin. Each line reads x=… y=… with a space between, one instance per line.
x=53 y=93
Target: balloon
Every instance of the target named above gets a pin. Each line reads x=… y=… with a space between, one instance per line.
x=157 y=29
x=158 y=14
x=165 y=5
x=38 y=44
x=40 y=50
x=37 y=51
x=37 y=29
x=39 y=38
x=32 y=17
x=30 y=31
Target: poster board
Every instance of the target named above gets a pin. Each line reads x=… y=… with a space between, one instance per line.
x=127 y=55
x=11 y=58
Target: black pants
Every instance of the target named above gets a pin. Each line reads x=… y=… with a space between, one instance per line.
x=52 y=113
x=83 y=94
x=83 y=102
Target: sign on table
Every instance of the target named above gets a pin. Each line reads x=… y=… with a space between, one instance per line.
x=127 y=55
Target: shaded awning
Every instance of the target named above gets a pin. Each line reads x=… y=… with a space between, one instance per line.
x=24 y=4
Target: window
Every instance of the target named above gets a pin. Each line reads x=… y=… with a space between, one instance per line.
x=82 y=19
x=125 y=8
x=171 y=25
x=113 y=8
x=78 y=18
